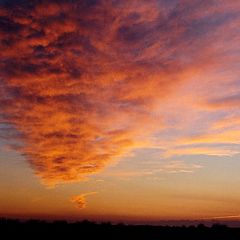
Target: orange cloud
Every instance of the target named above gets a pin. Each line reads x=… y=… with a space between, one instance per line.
x=223 y=217
x=80 y=200
x=83 y=82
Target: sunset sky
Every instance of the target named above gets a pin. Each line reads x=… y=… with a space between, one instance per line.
x=120 y=110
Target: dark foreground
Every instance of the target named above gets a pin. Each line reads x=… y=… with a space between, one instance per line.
x=36 y=229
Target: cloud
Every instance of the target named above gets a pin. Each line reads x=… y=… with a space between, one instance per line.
x=202 y=149
x=83 y=83
x=223 y=217
x=167 y=167
x=180 y=167
x=80 y=200
x=226 y=102
x=227 y=122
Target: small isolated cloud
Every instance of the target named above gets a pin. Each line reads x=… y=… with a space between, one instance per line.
x=80 y=200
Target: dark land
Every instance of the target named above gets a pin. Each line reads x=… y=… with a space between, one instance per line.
x=38 y=229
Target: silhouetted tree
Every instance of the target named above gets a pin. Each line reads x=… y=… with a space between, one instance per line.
x=90 y=230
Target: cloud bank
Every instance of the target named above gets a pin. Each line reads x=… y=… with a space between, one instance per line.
x=83 y=83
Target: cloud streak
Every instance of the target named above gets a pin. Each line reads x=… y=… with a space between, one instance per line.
x=169 y=167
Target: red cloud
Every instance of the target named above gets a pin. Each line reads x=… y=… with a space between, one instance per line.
x=82 y=81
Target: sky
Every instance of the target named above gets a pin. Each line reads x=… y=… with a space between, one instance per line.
x=120 y=110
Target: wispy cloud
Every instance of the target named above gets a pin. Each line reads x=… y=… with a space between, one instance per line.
x=169 y=167
x=223 y=217
x=80 y=200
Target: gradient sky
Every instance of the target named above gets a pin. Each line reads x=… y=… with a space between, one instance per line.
x=120 y=109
